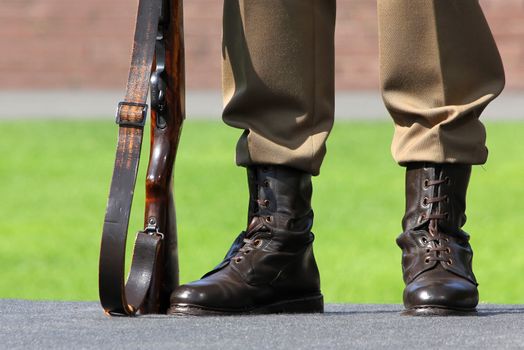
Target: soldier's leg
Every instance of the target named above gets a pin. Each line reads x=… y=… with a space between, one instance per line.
x=440 y=68
x=279 y=89
x=278 y=80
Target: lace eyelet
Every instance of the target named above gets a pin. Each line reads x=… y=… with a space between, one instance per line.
x=266 y=203
x=426 y=260
x=257 y=243
x=428 y=250
x=449 y=262
x=448 y=180
x=424 y=240
x=426 y=184
x=269 y=218
x=266 y=183
x=448 y=250
x=425 y=202
x=422 y=217
x=237 y=259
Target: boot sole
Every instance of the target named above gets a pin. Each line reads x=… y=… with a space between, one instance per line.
x=314 y=304
x=438 y=311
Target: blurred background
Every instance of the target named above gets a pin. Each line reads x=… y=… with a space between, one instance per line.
x=73 y=47
x=63 y=68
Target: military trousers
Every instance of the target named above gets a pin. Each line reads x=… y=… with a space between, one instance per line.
x=439 y=69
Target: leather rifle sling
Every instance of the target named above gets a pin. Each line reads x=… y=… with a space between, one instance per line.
x=116 y=296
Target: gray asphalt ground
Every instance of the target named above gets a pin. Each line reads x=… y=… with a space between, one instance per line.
x=98 y=104
x=82 y=325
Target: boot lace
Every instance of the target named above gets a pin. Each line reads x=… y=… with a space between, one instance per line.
x=258 y=224
x=250 y=242
x=436 y=244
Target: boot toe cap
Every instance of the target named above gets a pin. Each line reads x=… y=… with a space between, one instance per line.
x=452 y=293
x=188 y=294
x=213 y=294
x=198 y=293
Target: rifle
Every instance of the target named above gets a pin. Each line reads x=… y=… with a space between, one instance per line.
x=157 y=65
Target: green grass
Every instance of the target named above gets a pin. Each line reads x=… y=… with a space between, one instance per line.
x=54 y=181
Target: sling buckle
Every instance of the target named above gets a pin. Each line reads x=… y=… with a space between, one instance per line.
x=126 y=122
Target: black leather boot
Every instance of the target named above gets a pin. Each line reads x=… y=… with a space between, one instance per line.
x=436 y=255
x=270 y=267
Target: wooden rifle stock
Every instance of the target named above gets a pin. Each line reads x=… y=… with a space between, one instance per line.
x=157 y=64
x=167 y=116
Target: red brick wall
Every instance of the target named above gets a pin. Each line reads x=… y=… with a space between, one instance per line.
x=86 y=44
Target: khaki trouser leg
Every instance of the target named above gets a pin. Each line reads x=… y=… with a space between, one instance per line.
x=440 y=68
x=278 y=76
